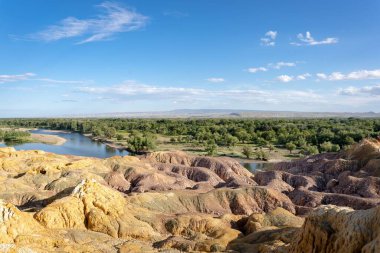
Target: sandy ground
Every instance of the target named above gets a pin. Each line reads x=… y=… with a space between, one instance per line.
x=55 y=131
x=48 y=139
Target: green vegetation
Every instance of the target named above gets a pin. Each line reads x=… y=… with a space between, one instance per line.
x=290 y=146
x=298 y=136
x=247 y=151
x=14 y=136
x=211 y=148
x=140 y=142
x=261 y=155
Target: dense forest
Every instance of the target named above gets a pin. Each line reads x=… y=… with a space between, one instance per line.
x=310 y=135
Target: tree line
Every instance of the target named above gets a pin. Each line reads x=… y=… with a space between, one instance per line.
x=309 y=135
x=14 y=136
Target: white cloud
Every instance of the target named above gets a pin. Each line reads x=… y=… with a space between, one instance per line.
x=215 y=80
x=49 y=80
x=271 y=34
x=33 y=77
x=132 y=90
x=285 y=78
x=116 y=19
x=281 y=64
x=355 y=75
x=308 y=40
x=269 y=39
x=367 y=90
x=255 y=70
x=277 y=65
x=321 y=76
x=303 y=76
x=15 y=78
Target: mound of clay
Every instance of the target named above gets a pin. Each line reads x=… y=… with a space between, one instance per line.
x=227 y=169
x=198 y=233
x=349 y=178
x=366 y=150
x=97 y=208
x=339 y=230
x=245 y=200
x=270 y=232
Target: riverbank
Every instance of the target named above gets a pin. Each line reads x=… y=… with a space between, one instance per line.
x=48 y=139
x=163 y=143
x=55 y=131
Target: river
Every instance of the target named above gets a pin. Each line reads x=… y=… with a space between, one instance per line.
x=76 y=144
x=80 y=145
x=258 y=166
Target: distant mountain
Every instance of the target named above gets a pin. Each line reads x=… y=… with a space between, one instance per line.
x=229 y=113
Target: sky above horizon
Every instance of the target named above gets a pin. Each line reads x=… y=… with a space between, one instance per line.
x=71 y=57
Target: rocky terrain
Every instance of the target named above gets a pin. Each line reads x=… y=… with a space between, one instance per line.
x=173 y=202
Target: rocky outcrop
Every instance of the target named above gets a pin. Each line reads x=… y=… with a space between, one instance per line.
x=270 y=232
x=228 y=170
x=339 y=229
x=172 y=202
x=217 y=202
x=97 y=208
x=198 y=233
x=349 y=178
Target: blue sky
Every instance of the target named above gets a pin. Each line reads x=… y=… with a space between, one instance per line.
x=81 y=57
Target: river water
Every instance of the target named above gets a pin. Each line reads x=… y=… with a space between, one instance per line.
x=80 y=145
x=76 y=144
x=257 y=166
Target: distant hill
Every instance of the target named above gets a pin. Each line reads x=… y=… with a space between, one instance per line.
x=229 y=113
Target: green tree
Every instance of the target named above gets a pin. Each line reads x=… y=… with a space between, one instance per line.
x=261 y=142
x=261 y=155
x=310 y=150
x=140 y=143
x=326 y=146
x=211 y=148
x=290 y=146
x=247 y=152
x=230 y=140
x=270 y=147
x=335 y=148
x=97 y=132
x=109 y=132
x=119 y=137
x=349 y=140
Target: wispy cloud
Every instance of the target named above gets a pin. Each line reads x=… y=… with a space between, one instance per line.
x=33 y=77
x=355 y=75
x=281 y=64
x=215 y=80
x=69 y=101
x=269 y=39
x=287 y=78
x=303 y=76
x=114 y=19
x=308 y=40
x=277 y=65
x=15 y=78
x=258 y=69
x=363 y=91
x=49 y=80
x=132 y=90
